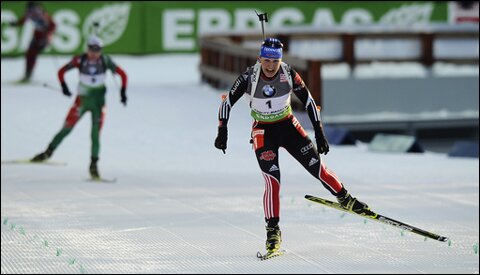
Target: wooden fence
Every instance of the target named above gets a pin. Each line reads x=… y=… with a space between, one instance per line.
x=224 y=57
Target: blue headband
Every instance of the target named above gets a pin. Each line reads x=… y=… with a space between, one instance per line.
x=269 y=52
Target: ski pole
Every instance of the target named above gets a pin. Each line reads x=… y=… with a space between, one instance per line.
x=96 y=25
x=262 y=17
x=51 y=87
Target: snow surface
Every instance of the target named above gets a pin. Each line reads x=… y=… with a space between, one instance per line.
x=182 y=206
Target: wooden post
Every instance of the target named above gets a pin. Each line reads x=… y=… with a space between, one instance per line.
x=236 y=39
x=285 y=39
x=427 y=49
x=349 y=49
x=314 y=82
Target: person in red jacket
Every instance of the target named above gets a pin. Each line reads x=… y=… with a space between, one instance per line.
x=92 y=66
x=44 y=28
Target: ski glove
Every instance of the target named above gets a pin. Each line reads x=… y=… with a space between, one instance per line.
x=221 y=140
x=65 y=89
x=322 y=143
x=123 y=96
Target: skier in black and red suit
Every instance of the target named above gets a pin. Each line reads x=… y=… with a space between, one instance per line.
x=269 y=85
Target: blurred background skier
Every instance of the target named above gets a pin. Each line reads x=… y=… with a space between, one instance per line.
x=93 y=66
x=44 y=28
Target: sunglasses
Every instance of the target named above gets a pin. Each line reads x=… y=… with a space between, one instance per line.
x=95 y=49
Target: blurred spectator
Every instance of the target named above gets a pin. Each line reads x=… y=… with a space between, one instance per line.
x=44 y=28
x=464 y=12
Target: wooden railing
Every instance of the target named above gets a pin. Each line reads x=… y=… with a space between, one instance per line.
x=223 y=57
x=223 y=60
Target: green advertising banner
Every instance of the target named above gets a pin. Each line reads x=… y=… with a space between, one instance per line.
x=174 y=26
x=119 y=26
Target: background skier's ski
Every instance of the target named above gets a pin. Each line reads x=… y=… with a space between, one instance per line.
x=28 y=161
x=103 y=180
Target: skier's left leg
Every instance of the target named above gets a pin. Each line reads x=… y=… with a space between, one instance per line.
x=98 y=115
x=300 y=146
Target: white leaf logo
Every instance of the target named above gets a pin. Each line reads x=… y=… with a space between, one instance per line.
x=408 y=15
x=112 y=21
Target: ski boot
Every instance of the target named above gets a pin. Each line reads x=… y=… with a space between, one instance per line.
x=26 y=78
x=274 y=239
x=274 y=235
x=352 y=204
x=43 y=156
x=93 y=168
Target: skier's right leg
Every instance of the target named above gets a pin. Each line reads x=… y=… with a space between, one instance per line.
x=43 y=155
x=30 y=60
x=36 y=46
x=267 y=157
x=75 y=113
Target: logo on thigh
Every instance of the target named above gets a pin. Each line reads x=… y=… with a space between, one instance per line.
x=304 y=150
x=268 y=155
x=273 y=168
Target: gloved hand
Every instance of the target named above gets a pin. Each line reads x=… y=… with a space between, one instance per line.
x=221 y=140
x=65 y=89
x=322 y=143
x=123 y=96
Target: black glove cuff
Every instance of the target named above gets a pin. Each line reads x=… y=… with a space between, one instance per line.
x=319 y=129
x=222 y=130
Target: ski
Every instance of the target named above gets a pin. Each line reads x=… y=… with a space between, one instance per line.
x=269 y=255
x=103 y=180
x=28 y=161
x=21 y=82
x=380 y=218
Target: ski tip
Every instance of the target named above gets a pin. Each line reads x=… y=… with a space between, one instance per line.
x=269 y=255
x=443 y=239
